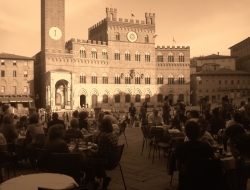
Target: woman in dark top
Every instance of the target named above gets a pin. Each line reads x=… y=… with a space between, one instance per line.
x=55 y=140
x=8 y=130
x=83 y=122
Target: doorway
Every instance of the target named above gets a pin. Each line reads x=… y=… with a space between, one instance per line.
x=82 y=101
x=94 y=100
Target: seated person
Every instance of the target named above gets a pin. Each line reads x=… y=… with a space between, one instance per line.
x=55 y=140
x=204 y=135
x=8 y=130
x=239 y=143
x=176 y=123
x=106 y=142
x=192 y=148
x=154 y=119
x=55 y=120
x=114 y=121
x=193 y=115
x=73 y=129
x=83 y=122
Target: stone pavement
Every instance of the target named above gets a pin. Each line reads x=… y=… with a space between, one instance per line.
x=138 y=171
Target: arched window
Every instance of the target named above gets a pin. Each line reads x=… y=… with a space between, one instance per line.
x=127 y=55
x=181 y=79
x=147 y=98
x=146 y=39
x=137 y=98
x=181 y=57
x=127 y=79
x=82 y=78
x=117 y=55
x=127 y=98
x=170 y=79
x=104 y=78
x=147 y=79
x=159 y=97
x=14 y=73
x=93 y=53
x=137 y=79
x=117 y=36
x=170 y=57
x=104 y=54
x=137 y=56
x=94 y=78
x=82 y=52
x=147 y=57
x=159 y=57
x=117 y=79
x=105 y=98
x=160 y=79
x=117 y=98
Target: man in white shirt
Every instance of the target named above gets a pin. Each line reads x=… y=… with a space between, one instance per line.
x=155 y=119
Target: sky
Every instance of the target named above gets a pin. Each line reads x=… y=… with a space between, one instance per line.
x=207 y=26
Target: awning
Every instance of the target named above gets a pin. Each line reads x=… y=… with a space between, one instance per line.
x=20 y=99
x=4 y=100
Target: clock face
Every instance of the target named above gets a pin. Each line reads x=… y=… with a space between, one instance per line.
x=132 y=36
x=55 y=33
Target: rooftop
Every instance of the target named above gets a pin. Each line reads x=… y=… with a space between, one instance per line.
x=239 y=42
x=215 y=56
x=13 y=56
x=223 y=71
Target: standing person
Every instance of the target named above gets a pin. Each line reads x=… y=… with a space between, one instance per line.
x=166 y=111
x=67 y=116
x=143 y=112
x=132 y=112
x=1 y=112
x=8 y=130
x=247 y=107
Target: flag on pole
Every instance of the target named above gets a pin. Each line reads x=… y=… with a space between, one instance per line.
x=174 y=40
x=132 y=14
x=155 y=36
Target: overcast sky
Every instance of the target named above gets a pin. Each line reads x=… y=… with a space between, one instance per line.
x=207 y=26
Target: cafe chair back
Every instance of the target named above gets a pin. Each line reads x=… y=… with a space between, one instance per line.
x=68 y=164
x=171 y=156
x=74 y=188
x=40 y=140
x=97 y=165
x=67 y=137
x=43 y=159
x=122 y=127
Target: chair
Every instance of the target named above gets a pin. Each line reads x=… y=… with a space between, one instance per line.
x=158 y=138
x=113 y=161
x=122 y=127
x=171 y=156
x=146 y=137
x=203 y=174
x=13 y=158
x=40 y=140
x=68 y=164
x=43 y=159
x=67 y=137
x=5 y=162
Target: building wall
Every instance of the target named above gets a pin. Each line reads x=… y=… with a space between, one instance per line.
x=228 y=63
x=242 y=51
x=9 y=81
x=216 y=86
x=67 y=66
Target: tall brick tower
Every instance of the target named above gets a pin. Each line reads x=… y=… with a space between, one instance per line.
x=52 y=24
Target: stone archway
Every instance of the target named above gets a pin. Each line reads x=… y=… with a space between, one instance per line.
x=61 y=94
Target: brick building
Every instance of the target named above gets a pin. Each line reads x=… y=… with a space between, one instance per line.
x=118 y=64
x=16 y=80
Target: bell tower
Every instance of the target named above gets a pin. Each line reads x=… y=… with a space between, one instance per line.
x=53 y=25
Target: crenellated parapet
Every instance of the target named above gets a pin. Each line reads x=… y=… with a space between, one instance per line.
x=101 y=23
x=171 y=47
x=82 y=41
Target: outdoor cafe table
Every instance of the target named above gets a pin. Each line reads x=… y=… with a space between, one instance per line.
x=33 y=181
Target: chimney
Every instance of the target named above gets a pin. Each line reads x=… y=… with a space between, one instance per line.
x=218 y=53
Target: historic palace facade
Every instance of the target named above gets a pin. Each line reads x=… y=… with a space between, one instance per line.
x=118 y=64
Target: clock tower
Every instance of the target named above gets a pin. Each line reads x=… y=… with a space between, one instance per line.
x=53 y=25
